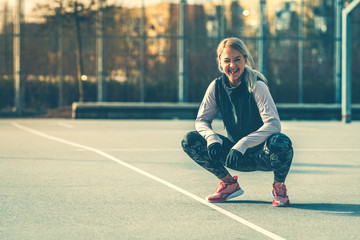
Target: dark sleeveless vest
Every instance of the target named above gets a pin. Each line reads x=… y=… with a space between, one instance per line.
x=238 y=108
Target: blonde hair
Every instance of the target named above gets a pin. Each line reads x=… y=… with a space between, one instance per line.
x=237 y=44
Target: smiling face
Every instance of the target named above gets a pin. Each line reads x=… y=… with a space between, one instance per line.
x=232 y=63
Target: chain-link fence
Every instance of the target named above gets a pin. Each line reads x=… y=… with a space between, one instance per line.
x=131 y=51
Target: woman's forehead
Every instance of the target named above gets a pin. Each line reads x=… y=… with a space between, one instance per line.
x=229 y=52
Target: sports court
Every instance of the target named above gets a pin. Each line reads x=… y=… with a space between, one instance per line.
x=129 y=179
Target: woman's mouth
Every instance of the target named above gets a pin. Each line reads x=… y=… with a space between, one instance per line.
x=233 y=72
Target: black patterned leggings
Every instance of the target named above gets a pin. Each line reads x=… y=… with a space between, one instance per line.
x=275 y=154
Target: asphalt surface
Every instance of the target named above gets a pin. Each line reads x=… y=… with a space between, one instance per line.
x=126 y=179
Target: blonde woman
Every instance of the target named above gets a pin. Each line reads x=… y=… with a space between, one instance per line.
x=254 y=141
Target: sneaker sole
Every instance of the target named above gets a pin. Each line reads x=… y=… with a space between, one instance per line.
x=279 y=204
x=282 y=205
x=235 y=194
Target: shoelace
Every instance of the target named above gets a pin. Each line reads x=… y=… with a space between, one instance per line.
x=220 y=186
x=280 y=190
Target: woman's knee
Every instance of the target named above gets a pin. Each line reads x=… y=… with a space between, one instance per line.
x=190 y=139
x=279 y=143
x=281 y=152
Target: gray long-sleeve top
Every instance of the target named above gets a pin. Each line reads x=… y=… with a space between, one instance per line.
x=267 y=110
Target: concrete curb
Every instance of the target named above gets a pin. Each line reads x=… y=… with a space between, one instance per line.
x=133 y=110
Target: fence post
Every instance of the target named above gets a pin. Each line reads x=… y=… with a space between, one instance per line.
x=261 y=37
x=338 y=9
x=182 y=52
x=222 y=20
x=142 y=52
x=59 y=13
x=100 y=53
x=301 y=53
x=346 y=62
x=17 y=59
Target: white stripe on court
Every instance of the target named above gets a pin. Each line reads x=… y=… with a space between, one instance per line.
x=327 y=150
x=179 y=149
x=142 y=172
x=139 y=149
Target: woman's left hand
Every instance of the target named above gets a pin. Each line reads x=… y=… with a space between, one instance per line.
x=233 y=158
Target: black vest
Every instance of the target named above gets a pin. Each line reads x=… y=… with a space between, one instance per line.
x=238 y=108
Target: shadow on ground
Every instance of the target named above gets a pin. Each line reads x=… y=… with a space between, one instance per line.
x=330 y=208
x=327 y=208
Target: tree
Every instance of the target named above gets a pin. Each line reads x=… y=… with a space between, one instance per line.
x=72 y=13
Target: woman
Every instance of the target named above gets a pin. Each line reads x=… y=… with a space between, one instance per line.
x=254 y=141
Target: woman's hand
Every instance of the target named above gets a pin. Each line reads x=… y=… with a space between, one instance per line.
x=233 y=159
x=216 y=152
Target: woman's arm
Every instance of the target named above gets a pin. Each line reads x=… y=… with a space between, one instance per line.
x=269 y=116
x=206 y=113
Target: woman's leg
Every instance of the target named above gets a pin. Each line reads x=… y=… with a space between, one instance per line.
x=278 y=149
x=274 y=155
x=196 y=147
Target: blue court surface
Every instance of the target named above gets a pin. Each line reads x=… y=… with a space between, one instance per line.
x=130 y=179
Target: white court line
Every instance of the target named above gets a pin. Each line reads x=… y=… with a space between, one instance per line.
x=326 y=150
x=179 y=150
x=139 y=149
x=142 y=172
x=65 y=125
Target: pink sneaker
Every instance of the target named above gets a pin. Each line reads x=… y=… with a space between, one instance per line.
x=226 y=191
x=279 y=195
